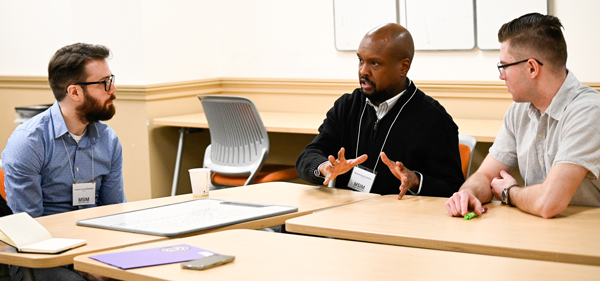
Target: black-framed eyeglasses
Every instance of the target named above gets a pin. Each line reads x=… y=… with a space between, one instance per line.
x=107 y=83
x=501 y=66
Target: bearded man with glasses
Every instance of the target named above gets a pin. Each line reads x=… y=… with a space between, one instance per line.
x=65 y=158
x=551 y=131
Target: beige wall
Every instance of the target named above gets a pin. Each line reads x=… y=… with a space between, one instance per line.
x=149 y=150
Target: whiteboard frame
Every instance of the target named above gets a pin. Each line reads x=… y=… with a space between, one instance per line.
x=178 y=210
x=356 y=9
x=470 y=33
x=488 y=24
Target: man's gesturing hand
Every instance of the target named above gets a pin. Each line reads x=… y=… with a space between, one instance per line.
x=339 y=166
x=408 y=178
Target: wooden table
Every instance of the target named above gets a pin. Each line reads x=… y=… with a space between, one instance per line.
x=483 y=130
x=277 y=122
x=306 y=197
x=423 y=222
x=275 y=256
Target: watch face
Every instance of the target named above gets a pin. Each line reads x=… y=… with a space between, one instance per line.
x=504 y=193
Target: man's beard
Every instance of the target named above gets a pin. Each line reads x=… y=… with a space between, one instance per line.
x=377 y=96
x=91 y=110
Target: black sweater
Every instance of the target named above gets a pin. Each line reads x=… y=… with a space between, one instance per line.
x=424 y=138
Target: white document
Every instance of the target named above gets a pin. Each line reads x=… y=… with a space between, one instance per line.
x=27 y=235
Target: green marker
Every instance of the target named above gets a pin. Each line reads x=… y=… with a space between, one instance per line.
x=473 y=214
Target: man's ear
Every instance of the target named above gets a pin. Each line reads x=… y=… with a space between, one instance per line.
x=534 y=68
x=404 y=66
x=75 y=92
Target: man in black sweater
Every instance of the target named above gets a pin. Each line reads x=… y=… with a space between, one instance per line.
x=388 y=117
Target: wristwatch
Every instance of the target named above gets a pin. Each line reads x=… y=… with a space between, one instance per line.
x=506 y=195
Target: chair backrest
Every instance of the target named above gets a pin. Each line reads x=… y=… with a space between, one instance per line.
x=239 y=143
x=466 y=146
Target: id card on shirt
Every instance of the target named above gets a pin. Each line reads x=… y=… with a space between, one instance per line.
x=362 y=179
x=84 y=193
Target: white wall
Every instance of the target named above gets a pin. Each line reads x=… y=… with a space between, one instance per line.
x=181 y=40
x=157 y=41
x=582 y=29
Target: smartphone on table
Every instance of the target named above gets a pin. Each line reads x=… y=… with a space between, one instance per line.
x=208 y=262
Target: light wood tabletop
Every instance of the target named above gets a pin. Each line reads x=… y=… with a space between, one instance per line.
x=277 y=122
x=306 y=197
x=420 y=221
x=275 y=256
x=484 y=130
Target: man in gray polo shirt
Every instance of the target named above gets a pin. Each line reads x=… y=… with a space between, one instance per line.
x=551 y=131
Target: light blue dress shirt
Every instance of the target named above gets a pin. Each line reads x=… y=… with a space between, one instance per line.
x=38 y=176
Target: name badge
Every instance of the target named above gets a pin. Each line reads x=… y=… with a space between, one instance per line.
x=361 y=179
x=84 y=193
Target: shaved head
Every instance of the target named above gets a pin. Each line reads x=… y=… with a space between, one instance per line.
x=396 y=39
x=385 y=55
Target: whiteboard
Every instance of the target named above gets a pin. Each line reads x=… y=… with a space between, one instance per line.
x=186 y=217
x=440 y=24
x=354 y=18
x=492 y=14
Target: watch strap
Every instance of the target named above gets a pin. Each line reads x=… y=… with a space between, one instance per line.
x=507 y=194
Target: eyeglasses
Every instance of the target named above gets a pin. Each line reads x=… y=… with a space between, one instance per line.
x=501 y=66
x=107 y=83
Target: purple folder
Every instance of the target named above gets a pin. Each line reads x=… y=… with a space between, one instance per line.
x=154 y=256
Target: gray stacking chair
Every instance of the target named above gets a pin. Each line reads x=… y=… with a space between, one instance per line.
x=239 y=144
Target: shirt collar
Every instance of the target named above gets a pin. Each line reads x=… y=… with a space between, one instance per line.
x=60 y=127
x=566 y=93
x=58 y=122
x=387 y=105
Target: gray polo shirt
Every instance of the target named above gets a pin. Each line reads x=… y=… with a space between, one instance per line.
x=568 y=132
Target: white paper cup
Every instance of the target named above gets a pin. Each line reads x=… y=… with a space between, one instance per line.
x=200 y=178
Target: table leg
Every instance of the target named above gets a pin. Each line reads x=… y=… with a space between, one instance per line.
x=182 y=132
x=28 y=274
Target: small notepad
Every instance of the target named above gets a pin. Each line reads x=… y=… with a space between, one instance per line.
x=27 y=235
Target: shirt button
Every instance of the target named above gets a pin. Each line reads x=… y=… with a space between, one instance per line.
x=77 y=169
x=541 y=161
x=540 y=136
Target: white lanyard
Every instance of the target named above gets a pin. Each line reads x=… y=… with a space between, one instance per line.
x=389 y=130
x=71 y=164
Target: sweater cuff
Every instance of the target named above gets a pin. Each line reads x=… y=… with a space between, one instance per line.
x=317 y=171
x=420 y=184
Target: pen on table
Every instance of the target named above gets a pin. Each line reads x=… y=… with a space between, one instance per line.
x=473 y=214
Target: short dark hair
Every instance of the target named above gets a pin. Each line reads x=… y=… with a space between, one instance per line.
x=539 y=33
x=67 y=66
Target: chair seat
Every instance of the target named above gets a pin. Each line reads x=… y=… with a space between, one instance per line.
x=268 y=173
x=2 y=189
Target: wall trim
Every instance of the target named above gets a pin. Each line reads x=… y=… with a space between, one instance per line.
x=170 y=90
x=24 y=82
x=445 y=89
